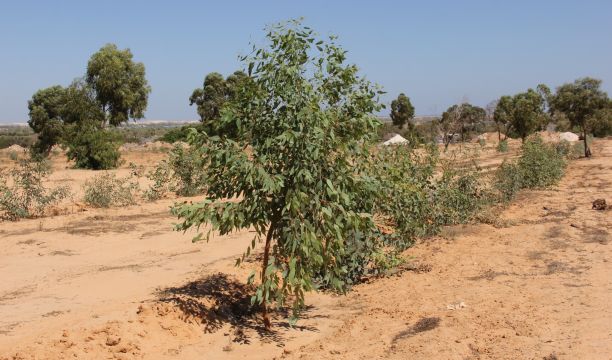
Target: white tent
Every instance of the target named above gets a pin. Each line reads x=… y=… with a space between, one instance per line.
x=397 y=139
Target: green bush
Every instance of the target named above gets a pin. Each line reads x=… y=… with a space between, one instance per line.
x=182 y=174
x=508 y=180
x=482 y=142
x=93 y=148
x=458 y=196
x=160 y=178
x=108 y=190
x=180 y=134
x=502 y=146
x=540 y=164
x=404 y=180
x=22 y=193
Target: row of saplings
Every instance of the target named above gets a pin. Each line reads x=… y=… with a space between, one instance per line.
x=296 y=154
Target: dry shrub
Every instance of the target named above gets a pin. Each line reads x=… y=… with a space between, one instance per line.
x=22 y=193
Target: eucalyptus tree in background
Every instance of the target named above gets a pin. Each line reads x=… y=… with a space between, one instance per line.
x=402 y=112
x=210 y=98
x=523 y=113
x=113 y=91
x=580 y=101
x=46 y=112
x=307 y=119
x=502 y=115
x=213 y=95
x=119 y=84
x=459 y=119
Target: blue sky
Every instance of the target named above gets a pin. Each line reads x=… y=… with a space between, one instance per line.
x=437 y=52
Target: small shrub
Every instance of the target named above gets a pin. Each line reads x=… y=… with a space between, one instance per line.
x=22 y=193
x=508 y=180
x=569 y=150
x=482 y=142
x=182 y=174
x=502 y=146
x=181 y=133
x=404 y=179
x=13 y=155
x=540 y=164
x=161 y=182
x=108 y=190
x=458 y=196
x=188 y=177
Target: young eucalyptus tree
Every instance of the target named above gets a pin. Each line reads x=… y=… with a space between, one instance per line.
x=301 y=125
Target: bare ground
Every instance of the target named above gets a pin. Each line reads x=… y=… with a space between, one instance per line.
x=119 y=283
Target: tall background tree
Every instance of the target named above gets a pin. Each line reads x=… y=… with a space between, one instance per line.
x=212 y=97
x=47 y=115
x=502 y=115
x=580 y=101
x=523 y=113
x=305 y=117
x=402 y=112
x=119 y=84
x=460 y=119
x=113 y=91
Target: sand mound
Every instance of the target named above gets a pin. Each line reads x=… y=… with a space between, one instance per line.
x=16 y=148
x=569 y=136
x=396 y=140
x=489 y=137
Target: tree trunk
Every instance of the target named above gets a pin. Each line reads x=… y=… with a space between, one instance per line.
x=264 y=266
x=587 y=151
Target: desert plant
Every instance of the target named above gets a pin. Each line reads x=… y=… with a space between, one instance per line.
x=183 y=174
x=508 y=181
x=502 y=146
x=458 y=195
x=22 y=193
x=482 y=142
x=109 y=190
x=160 y=177
x=405 y=179
x=188 y=174
x=540 y=164
x=301 y=126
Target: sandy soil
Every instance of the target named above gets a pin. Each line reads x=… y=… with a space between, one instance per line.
x=119 y=283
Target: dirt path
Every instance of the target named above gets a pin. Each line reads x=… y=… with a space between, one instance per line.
x=120 y=284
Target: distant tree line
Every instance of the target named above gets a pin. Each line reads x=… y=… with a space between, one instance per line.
x=579 y=106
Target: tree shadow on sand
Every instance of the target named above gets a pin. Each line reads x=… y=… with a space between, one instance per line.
x=217 y=299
